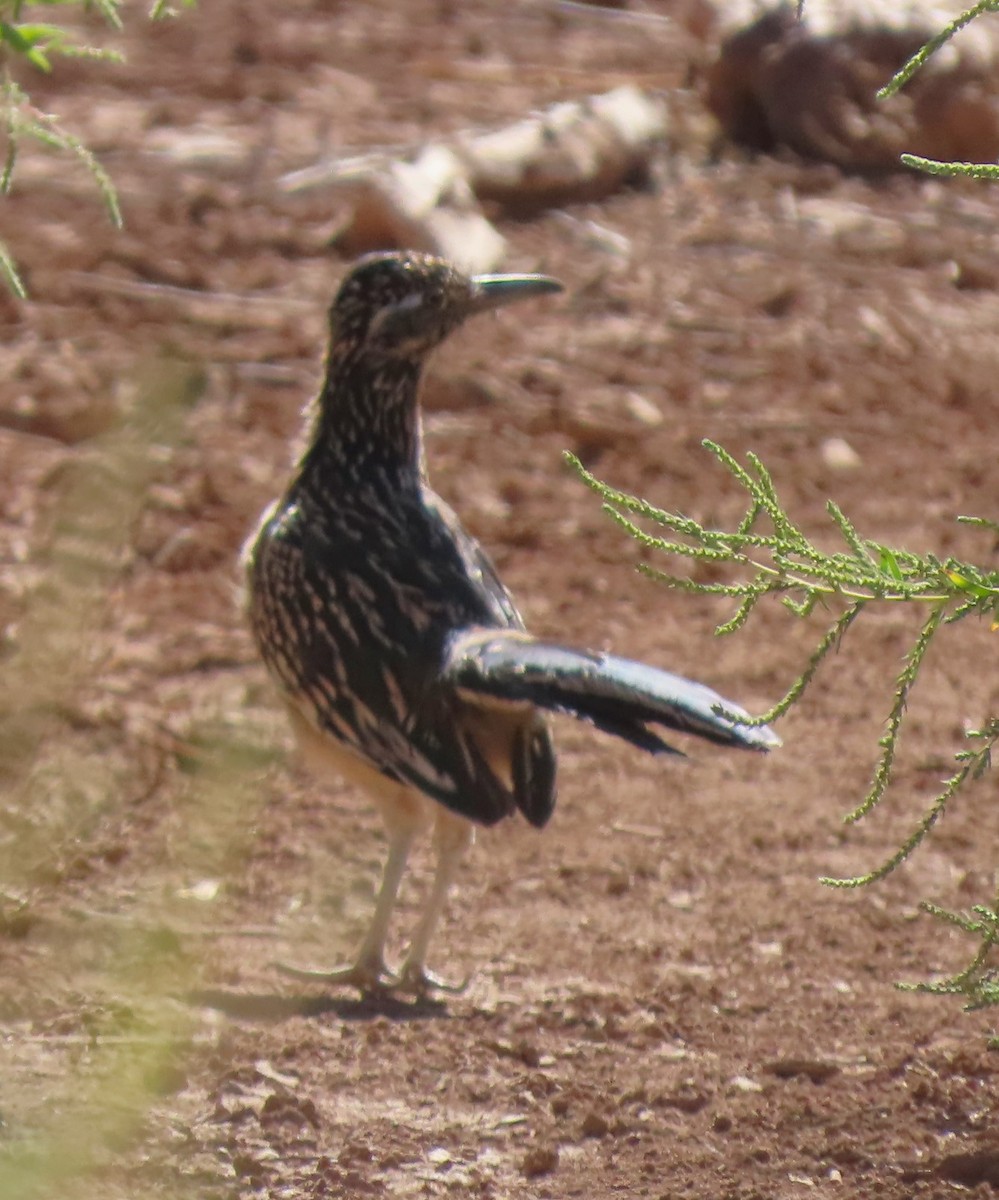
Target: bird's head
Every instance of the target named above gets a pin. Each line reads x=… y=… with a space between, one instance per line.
x=401 y=305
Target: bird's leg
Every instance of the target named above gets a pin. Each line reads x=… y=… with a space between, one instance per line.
x=452 y=837
x=368 y=970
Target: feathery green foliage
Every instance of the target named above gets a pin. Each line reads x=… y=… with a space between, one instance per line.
x=901 y=77
x=27 y=45
x=768 y=555
x=953 y=170
x=60 y=792
x=919 y=59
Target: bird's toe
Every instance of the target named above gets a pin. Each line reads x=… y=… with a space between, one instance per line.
x=366 y=976
x=416 y=979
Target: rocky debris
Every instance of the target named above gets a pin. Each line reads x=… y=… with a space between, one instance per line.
x=436 y=199
x=811 y=86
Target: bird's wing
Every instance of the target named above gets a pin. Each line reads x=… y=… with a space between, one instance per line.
x=615 y=694
x=478 y=566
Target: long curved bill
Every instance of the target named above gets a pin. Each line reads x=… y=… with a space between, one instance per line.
x=493 y=291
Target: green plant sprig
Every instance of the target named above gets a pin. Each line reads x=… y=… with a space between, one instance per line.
x=25 y=121
x=783 y=560
x=37 y=44
x=932 y=166
x=966 y=170
x=770 y=556
x=918 y=60
x=978 y=983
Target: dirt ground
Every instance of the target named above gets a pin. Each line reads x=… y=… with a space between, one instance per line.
x=664 y=1002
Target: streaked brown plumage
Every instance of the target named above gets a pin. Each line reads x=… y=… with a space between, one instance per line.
x=400 y=655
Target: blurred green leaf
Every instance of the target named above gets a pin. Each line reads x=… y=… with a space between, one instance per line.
x=37 y=43
x=9 y=271
x=889 y=562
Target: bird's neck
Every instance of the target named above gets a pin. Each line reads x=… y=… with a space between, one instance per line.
x=367 y=420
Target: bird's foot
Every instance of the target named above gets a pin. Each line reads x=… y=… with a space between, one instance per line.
x=367 y=975
x=417 y=980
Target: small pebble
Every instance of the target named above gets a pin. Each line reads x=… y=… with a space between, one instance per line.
x=642 y=410
x=595 y=1125
x=839 y=454
x=742 y=1083
x=539 y=1160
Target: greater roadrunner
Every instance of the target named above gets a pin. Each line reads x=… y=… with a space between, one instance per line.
x=403 y=662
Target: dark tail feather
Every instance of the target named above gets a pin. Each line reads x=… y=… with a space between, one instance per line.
x=615 y=694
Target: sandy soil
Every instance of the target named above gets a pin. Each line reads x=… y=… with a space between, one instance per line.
x=664 y=1002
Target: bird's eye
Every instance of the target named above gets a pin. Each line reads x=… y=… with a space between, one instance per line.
x=400 y=321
